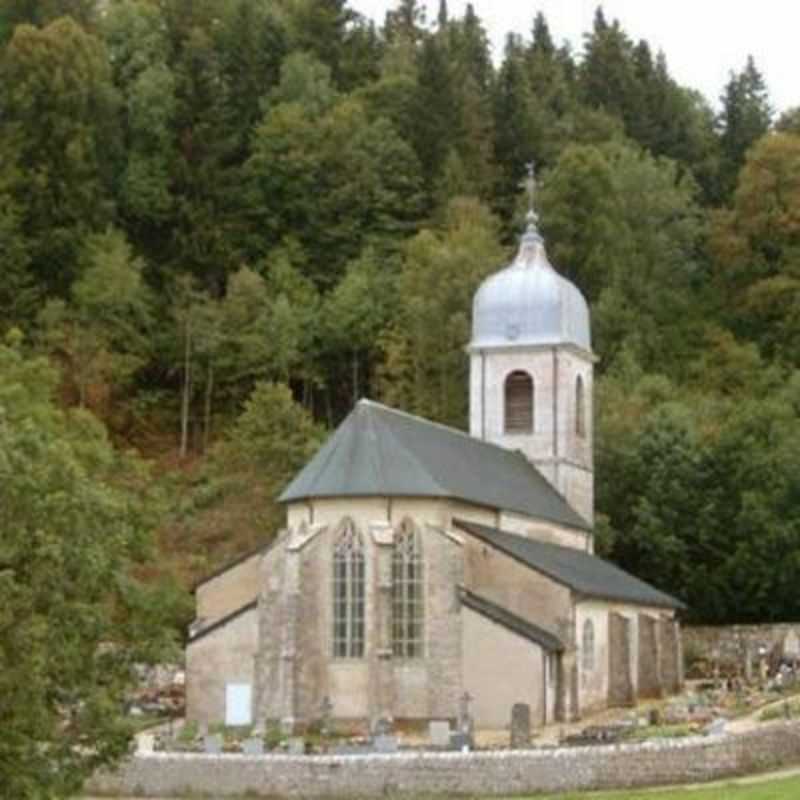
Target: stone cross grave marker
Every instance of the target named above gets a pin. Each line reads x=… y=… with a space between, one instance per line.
x=520 y=725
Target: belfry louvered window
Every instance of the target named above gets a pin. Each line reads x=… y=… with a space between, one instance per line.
x=348 y=594
x=580 y=408
x=408 y=594
x=519 y=403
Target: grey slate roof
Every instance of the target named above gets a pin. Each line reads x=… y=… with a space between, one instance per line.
x=519 y=625
x=582 y=572
x=378 y=451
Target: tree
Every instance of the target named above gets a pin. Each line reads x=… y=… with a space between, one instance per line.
x=73 y=620
x=102 y=336
x=356 y=313
x=756 y=247
x=424 y=368
x=61 y=132
x=626 y=228
x=745 y=117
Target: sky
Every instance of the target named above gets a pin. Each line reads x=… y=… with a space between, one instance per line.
x=703 y=39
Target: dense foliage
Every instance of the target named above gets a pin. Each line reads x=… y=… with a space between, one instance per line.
x=202 y=200
x=76 y=518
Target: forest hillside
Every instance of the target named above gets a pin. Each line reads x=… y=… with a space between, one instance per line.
x=224 y=221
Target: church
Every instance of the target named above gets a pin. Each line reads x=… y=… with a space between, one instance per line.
x=419 y=563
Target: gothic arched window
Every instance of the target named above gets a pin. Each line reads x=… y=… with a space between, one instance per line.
x=408 y=594
x=587 y=646
x=580 y=408
x=519 y=397
x=348 y=593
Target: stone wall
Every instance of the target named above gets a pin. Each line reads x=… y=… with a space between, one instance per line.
x=500 y=773
x=729 y=645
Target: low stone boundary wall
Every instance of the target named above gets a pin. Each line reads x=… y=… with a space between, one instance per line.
x=506 y=773
x=732 y=644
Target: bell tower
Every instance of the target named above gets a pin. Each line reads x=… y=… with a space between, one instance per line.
x=531 y=368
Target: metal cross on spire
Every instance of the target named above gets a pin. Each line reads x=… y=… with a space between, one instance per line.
x=529 y=185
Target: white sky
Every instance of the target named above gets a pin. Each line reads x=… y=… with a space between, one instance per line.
x=703 y=39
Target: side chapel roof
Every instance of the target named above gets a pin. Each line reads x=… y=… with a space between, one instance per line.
x=379 y=451
x=582 y=572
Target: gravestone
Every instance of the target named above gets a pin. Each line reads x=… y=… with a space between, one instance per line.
x=326 y=712
x=791 y=646
x=716 y=727
x=439 y=733
x=145 y=743
x=520 y=725
x=212 y=744
x=385 y=743
x=297 y=746
x=461 y=741
x=253 y=747
x=465 y=723
x=382 y=727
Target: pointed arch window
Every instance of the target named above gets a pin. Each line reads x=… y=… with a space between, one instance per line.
x=408 y=594
x=587 y=646
x=519 y=402
x=348 y=593
x=580 y=408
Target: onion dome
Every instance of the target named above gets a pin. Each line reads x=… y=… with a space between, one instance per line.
x=529 y=303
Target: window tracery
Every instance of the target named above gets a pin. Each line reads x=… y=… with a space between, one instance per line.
x=348 y=593
x=408 y=594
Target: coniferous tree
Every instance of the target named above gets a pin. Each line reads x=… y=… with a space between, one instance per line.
x=745 y=117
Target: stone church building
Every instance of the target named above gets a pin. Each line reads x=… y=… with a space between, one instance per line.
x=419 y=562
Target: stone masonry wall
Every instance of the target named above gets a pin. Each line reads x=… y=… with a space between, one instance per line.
x=500 y=773
x=730 y=644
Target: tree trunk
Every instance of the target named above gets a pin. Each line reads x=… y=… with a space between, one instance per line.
x=187 y=386
x=355 y=377
x=207 y=409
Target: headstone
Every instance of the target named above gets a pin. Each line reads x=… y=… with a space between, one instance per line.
x=382 y=726
x=791 y=646
x=253 y=747
x=326 y=711
x=748 y=664
x=461 y=741
x=465 y=724
x=297 y=746
x=520 y=725
x=385 y=743
x=145 y=743
x=439 y=733
x=212 y=744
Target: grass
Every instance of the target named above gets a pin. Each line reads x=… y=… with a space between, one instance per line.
x=782 y=789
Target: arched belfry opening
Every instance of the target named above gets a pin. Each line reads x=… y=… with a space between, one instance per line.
x=519 y=402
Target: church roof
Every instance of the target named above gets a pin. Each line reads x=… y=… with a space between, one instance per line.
x=582 y=572
x=379 y=451
x=516 y=624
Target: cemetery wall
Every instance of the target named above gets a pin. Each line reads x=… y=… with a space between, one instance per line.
x=498 y=773
x=728 y=644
